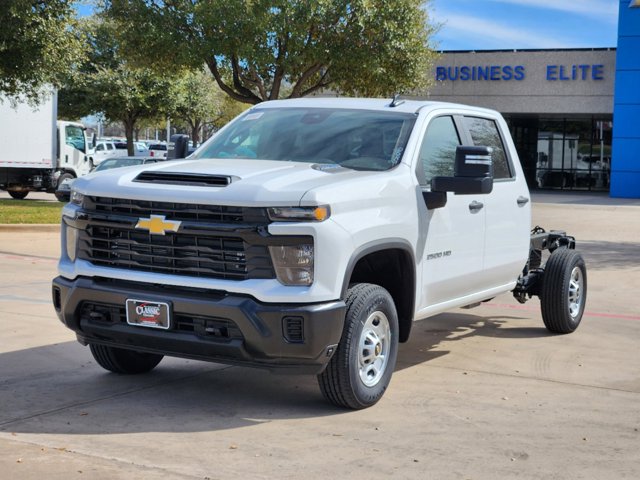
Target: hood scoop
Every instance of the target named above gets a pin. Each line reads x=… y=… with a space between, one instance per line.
x=178 y=178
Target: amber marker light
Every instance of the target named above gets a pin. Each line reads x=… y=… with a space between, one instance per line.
x=300 y=214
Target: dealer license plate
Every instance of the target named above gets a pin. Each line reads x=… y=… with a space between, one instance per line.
x=148 y=314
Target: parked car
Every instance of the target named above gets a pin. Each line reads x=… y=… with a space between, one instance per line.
x=107 y=149
x=158 y=150
x=119 y=162
x=63 y=193
x=140 y=149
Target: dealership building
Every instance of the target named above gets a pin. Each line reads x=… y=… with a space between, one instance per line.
x=573 y=113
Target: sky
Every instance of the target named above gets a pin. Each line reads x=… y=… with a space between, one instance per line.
x=523 y=24
x=514 y=24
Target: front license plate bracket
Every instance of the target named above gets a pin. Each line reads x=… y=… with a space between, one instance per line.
x=147 y=313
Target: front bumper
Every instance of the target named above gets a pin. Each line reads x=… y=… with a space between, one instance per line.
x=207 y=325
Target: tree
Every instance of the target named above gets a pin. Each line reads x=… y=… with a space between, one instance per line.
x=106 y=82
x=257 y=49
x=37 y=45
x=199 y=102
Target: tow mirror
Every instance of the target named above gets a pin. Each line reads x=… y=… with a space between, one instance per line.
x=473 y=173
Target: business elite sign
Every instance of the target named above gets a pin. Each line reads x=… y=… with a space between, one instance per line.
x=506 y=73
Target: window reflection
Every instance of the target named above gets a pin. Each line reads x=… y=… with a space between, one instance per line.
x=571 y=154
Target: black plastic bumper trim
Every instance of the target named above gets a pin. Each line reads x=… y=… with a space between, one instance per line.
x=262 y=345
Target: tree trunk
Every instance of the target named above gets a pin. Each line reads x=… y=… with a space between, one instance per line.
x=195 y=132
x=129 y=126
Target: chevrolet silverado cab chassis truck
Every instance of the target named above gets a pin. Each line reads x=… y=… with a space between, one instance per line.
x=307 y=236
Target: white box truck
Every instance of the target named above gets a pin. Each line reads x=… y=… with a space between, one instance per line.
x=37 y=152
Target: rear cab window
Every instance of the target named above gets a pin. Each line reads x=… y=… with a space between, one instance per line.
x=484 y=132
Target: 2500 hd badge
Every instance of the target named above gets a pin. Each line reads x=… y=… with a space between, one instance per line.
x=433 y=256
x=300 y=237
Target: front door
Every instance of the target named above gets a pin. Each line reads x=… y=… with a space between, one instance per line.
x=454 y=236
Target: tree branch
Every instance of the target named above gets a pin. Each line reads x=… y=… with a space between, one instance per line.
x=213 y=68
x=307 y=74
x=278 y=75
x=255 y=80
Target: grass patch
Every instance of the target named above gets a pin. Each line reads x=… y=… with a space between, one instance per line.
x=30 y=211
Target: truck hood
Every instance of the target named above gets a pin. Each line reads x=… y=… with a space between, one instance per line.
x=253 y=182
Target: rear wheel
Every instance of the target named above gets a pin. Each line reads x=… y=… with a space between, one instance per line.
x=120 y=360
x=564 y=291
x=19 y=194
x=360 y=370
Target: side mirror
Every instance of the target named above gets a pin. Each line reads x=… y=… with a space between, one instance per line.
x=473 y=173
x=180 y=147
x=94 y=140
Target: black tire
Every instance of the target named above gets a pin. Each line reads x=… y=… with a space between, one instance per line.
x=371 y=320
x=564 y=291
x=19 y=194
x=63 y=177
x=120 y=360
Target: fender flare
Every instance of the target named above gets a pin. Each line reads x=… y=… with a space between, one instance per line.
x=377 y=246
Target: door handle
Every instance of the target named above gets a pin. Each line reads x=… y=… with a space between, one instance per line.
x=522 y=201
x=475 y=207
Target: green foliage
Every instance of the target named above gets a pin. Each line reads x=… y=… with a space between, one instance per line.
x=37 y=45
x=106 y=82
x=261 y=50
x=199 y=102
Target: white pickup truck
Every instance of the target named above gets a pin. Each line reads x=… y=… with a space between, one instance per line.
x=307 y=236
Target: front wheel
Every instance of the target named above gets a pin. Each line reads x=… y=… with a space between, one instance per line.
x=120 y=360
x=360 y=370
x=564 y=291
x=63 y=177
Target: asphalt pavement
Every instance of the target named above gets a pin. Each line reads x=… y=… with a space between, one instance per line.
x=485 y=393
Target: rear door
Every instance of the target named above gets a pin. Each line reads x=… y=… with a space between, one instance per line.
x=507 y=207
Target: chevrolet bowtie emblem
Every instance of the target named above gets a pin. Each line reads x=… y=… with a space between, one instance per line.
x=158 y=224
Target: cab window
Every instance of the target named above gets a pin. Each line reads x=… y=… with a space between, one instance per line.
x=484 y=132
x=438 y=149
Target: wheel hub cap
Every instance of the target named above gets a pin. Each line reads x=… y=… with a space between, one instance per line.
x=374 y=343
x=576 y=283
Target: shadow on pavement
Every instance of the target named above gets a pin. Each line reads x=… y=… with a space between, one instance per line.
x=58 y=389
x=608 y=255
x=430 y=337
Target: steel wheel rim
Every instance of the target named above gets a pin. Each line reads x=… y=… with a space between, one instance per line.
x=373 y=349
x=576 y=285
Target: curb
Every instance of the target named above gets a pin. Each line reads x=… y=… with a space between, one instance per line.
x=33 y=227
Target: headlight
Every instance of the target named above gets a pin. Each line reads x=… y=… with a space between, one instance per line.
x=72 y=242
x=293 y=264
x=76 y=197
x=300 y=214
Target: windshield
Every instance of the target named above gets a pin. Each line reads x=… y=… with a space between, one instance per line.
x=358 y=139
x=75 y=137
